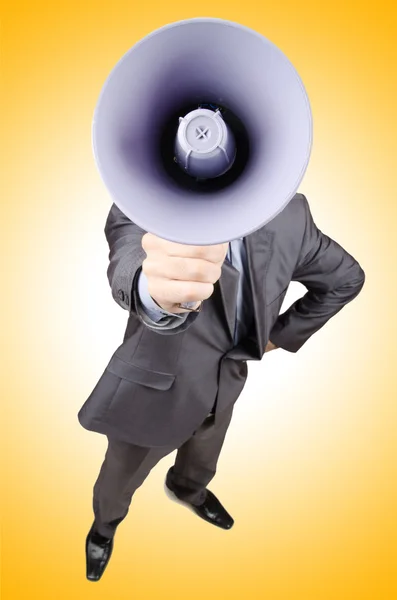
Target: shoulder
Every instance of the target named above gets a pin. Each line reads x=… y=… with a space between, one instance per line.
x=287 y=232
x=291 y=221
x=296 y=208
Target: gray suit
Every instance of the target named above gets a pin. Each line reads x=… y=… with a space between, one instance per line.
x=160 y=385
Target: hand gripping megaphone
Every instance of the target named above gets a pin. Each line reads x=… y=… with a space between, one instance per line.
x=202 y=132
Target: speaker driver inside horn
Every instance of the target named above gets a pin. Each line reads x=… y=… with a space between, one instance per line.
x=168 y=134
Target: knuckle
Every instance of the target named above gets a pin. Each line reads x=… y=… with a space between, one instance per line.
x=190 y=295
x=212 y=274
x=201 y=252
x=216 y=273
x=216 y=254
x=203 y=272
x=158 y=290
x=197 y=272
x=149 y=267
x=221 y=252
x=207 y=291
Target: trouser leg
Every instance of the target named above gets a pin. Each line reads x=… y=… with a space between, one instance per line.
x=196 y=460
x=124 y=469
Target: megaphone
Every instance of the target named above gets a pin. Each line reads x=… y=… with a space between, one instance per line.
x=202 y=132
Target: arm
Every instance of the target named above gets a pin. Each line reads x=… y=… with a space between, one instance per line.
x=126 y=256
x=332 y=277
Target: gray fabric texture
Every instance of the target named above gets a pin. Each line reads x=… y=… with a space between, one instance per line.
x=160 y=384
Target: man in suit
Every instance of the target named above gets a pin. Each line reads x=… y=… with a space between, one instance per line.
x=173 y=381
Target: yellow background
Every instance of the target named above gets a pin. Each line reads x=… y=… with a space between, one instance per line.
x=309 y=467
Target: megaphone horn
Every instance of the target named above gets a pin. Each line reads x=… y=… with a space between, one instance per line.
x=202 y=132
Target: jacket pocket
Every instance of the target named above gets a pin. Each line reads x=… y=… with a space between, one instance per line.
x=152 y=379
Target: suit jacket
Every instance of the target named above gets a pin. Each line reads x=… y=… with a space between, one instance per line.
x=159 y=385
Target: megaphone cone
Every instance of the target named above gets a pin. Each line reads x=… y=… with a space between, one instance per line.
x=207 y=64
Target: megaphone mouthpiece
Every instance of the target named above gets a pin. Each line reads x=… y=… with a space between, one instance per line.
x=204 y=146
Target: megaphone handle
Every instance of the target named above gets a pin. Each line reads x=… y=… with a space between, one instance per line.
x=189 y=305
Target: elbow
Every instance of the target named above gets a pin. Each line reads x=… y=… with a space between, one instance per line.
x=353 y=283
x=359 y=279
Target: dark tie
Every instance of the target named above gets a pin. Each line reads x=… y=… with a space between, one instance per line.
x=244 y=305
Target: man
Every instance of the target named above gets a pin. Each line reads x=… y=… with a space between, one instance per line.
x=174 y=380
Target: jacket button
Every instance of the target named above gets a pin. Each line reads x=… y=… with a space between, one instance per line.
x=120 y=294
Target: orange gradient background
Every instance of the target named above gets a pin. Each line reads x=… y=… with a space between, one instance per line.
x=308 y=469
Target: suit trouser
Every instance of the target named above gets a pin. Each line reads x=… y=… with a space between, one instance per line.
x=126 y=467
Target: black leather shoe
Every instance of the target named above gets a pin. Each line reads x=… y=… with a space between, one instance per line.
x=98 y=550
x=211 y=510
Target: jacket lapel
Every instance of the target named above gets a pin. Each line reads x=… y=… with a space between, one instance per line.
x=228 y=284
x=259 y=248
x=259 y=253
